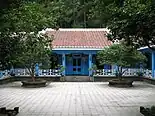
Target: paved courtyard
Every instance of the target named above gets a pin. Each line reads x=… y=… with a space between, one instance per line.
x=77 y=99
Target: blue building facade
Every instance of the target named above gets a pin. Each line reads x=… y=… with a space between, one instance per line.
x=77 y=48
x=77 y=62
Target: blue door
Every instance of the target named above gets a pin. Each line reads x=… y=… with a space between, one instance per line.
x=76 y=66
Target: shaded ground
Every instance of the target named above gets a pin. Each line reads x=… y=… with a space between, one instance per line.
x=77 y=99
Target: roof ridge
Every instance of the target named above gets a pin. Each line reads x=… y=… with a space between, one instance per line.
x=79 y=29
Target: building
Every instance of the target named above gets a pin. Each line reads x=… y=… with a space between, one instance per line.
x=77 y=48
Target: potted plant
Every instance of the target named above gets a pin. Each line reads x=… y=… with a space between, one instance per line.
x=122 y=56
x=147 y=111
x=61 y=69
x=93 y=69
x=36 y=49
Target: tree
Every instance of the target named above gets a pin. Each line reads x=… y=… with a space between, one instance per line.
x=36 y=48
x=99 y=11
x=25 y=16
x=134 y=22
x=120 y=55
x=130 y=20
x=29 y=17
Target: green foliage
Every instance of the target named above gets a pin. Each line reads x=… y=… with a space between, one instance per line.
x=135 y=22
x=61 y=68
x=29 y=17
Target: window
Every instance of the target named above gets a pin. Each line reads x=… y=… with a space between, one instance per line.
x=74 y=62
x=79 y=62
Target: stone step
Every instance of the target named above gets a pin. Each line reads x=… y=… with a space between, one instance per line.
x=77 y=78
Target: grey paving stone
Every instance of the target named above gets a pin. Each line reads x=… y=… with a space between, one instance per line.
x=77 y=99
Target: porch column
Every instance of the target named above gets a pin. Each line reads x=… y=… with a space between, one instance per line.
x=37 y=69
x=63 y=63
x=153 y=64
x=90 y=64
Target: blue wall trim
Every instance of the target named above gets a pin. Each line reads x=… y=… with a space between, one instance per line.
x=75 y=51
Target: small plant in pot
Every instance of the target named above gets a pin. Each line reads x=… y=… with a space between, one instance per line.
x=121 y=56
x=93 y=69
x=61 y=70
x=36 y=49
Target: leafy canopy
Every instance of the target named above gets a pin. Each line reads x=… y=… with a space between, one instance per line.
x=29 y=17
x=36 y=48
x=120 y=55
x=134 y=22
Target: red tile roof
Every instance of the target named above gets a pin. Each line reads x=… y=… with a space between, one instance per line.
x=79 y=38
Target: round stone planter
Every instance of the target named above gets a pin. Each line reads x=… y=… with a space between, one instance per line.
x=37 y=83
x=120 y=83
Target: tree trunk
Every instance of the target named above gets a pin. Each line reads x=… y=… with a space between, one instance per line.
x=119 y=75
x=32 y=75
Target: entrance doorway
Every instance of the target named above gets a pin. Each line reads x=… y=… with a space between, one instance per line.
x=76 y=66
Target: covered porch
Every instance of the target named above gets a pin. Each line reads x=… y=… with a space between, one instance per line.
x=76 y=62
x=151 y=59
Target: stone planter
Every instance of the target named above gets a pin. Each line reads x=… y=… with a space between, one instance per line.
x=147 y=111
x=120 y=83
x=37 y=83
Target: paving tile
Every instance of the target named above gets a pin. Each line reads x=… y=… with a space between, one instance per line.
x=77 y=99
